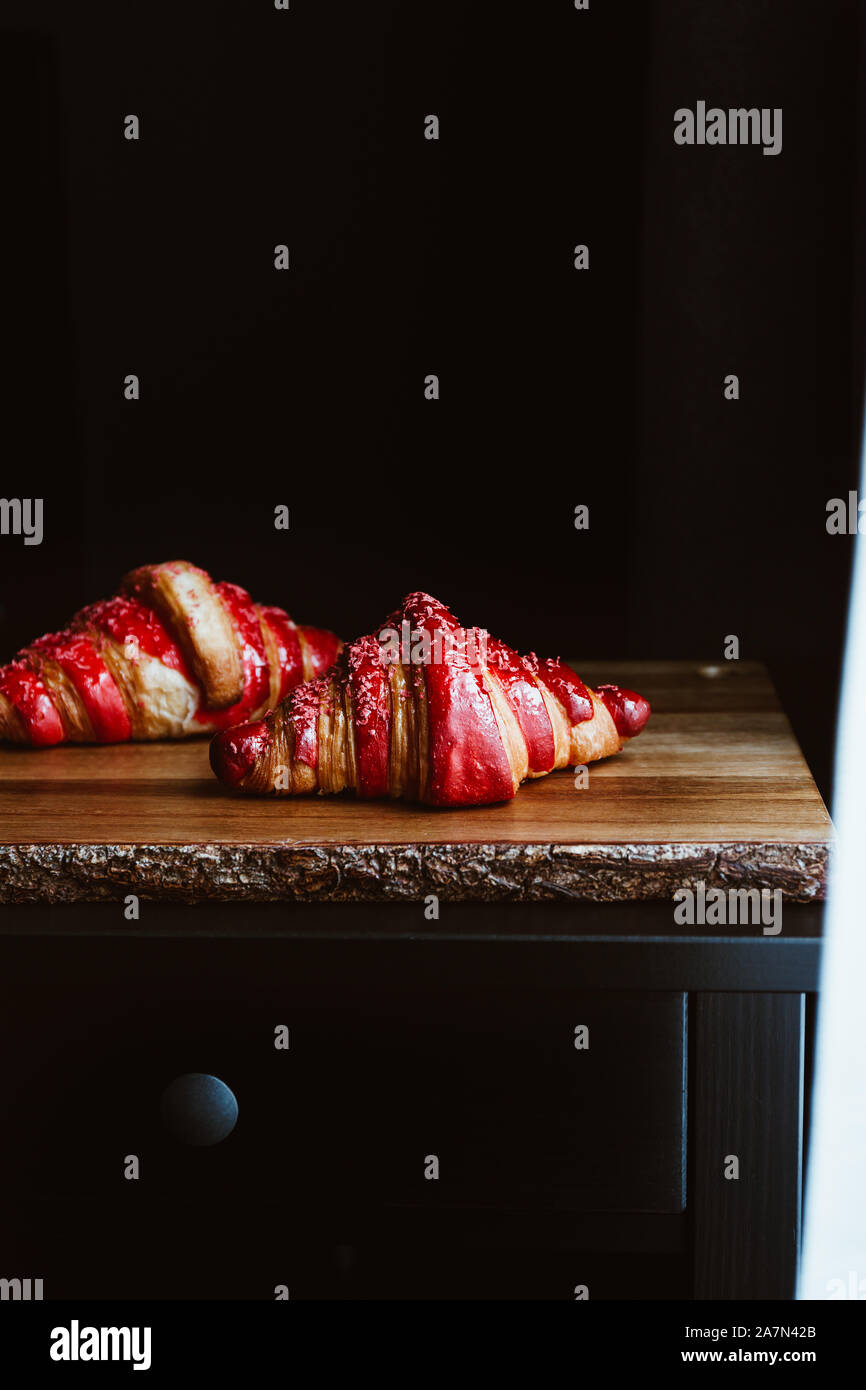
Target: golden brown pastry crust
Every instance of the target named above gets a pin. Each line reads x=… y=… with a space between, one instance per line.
x=186 y=600
x=172 y=654
x=449 y=729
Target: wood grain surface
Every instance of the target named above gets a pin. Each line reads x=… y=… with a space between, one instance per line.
x=716 y=788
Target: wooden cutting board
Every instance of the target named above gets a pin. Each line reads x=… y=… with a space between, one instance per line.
x=715 y=788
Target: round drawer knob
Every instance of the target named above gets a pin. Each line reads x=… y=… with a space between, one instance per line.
x=199 y=1109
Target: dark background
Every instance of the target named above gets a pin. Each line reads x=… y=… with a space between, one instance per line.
x=305 y=387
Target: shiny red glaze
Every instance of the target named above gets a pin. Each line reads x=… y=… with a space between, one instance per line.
x=422 y=611
x=234 y=753
x=27 y=692
x=77 y=657
x=568 y=688
x=518 y=681
x=288 y=648
x=468 y=762
x=303 y=706
x=323 y=648
x=628 y=710
x=257 y=680
x=127 y=619
x=370 y=689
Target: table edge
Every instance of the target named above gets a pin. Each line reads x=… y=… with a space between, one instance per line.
x=373 y=872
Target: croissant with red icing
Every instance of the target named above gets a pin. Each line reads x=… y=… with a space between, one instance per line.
x=172 y=654
x=428 y=711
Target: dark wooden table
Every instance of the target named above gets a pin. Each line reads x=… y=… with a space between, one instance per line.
x=561 y=895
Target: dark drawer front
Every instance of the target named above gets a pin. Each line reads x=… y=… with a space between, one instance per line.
x=517 y=1116
x=129 y=1248
x=381 y=1076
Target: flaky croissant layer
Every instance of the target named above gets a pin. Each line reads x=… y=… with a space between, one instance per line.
x=172 y=654
x=450 y=717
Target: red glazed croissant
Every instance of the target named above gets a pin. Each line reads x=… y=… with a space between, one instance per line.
x=173 y=654
x=428 y=711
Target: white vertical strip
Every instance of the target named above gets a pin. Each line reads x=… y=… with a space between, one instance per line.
x=834 y=1248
